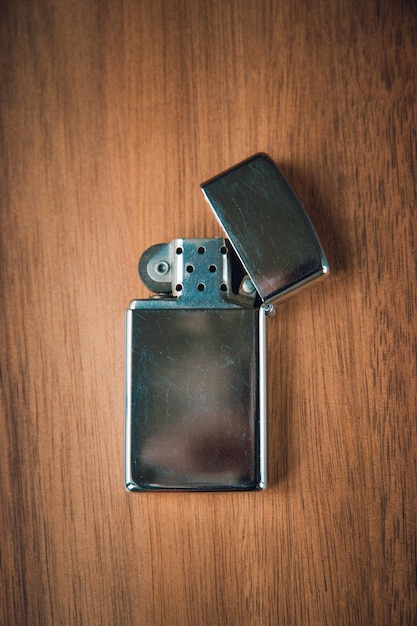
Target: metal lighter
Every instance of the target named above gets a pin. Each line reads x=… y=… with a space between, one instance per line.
x=195 y=417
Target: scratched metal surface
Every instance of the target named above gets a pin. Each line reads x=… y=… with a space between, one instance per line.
x=194 y=398
x=267 y=226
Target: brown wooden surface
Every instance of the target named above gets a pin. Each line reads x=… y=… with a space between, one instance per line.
x=111 y=115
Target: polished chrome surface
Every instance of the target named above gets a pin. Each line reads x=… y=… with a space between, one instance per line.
x=195 y=397
x=195 y=392
x=267 y=226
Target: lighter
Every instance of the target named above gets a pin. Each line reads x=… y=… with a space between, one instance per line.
x=195 y=412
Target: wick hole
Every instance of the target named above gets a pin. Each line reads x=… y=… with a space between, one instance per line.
x=178 y=250
x=201 y=287
x=212 y=268
x=223 y=250
x=223 y=287
x=190 y=269
x=201 y=250
x=178 y=287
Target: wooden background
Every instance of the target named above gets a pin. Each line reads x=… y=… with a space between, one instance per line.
x=111 y=114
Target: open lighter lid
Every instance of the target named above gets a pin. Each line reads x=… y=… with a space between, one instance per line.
x=267 y=226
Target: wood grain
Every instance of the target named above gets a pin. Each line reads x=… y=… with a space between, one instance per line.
x=111 y=114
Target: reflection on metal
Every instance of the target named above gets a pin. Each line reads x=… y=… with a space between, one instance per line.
x=267 y=226
x=195 y=351
x=194 y=416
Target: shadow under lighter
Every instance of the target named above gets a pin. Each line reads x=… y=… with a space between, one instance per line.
x=195 y=403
